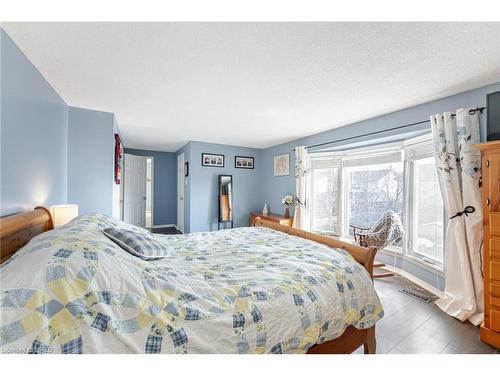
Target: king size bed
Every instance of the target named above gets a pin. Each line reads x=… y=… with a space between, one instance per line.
x=261 y=289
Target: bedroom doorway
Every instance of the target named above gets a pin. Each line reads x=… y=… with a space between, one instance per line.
x=138 y=190
x=180 y=192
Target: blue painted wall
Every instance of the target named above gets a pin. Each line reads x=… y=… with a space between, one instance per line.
x=33 y=123
x=201 y=189
x=165 y=185
x=91 y=160
x=277 y=187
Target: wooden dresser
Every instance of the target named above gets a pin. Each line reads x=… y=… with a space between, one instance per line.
x=490 y=329
x=272 y=217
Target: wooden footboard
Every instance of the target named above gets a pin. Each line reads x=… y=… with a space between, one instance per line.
x=363 y=255
x=352 y=338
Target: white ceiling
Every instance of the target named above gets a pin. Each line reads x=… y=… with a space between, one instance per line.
x=254 y=84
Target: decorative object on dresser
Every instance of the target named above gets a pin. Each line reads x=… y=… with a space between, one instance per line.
x=278 y=219
x=490 y=329
x=212 y=160
x=265 y=210
x=282 y=165
x=244 y=162
x=287 y=201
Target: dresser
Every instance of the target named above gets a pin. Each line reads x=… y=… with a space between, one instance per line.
x=490 y=329
x=272 y=217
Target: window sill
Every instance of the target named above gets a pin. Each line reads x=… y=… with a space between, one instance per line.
x=397 y=252
x=437 y=270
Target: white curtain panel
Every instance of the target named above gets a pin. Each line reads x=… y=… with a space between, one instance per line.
x=459 y=170
x=299 y=216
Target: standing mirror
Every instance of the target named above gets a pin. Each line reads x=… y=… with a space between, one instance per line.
x=225 y=199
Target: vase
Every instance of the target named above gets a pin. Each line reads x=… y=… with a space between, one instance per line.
x=265 y=210
x=287 y=212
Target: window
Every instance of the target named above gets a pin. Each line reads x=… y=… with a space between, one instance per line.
x=427 y=212
x=373 y=190
x=325 y=191
x=356 y=187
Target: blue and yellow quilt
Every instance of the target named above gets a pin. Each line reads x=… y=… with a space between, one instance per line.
x=244 y=290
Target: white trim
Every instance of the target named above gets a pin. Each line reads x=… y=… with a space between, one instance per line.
x=152 y=195
x=414 y=260
x=438 y=293
x=164 y=226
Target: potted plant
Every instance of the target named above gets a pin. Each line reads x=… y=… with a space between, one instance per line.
x=287 y=201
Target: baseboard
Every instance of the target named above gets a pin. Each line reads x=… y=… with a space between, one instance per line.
x=165 y=226
x=430 y=288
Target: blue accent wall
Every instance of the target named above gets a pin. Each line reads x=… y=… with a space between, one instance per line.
x=165 y=185
x=33 y=123
x=201 y=188
x=91 y=160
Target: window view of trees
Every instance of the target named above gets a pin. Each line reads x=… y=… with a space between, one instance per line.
x=428 y=232
x=356 y=189
x=373 y=190
x=325 y=200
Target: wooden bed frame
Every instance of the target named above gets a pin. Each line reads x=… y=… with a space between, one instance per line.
x=352 y=338
x=16 y=231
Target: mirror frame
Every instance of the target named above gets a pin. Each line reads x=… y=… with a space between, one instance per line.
x=220 y=177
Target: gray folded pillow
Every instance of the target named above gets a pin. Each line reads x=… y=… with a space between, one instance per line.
x=144 y=246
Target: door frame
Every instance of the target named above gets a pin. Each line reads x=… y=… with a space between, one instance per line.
x=181 y=201
x=152 y=188
x=123 y=182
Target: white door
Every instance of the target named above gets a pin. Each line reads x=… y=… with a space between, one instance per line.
x=134 y=190
x=180 y=192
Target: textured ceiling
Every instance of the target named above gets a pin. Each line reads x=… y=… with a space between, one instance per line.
x=254 y=84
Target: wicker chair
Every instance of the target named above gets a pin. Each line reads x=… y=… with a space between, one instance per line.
x=388 y=230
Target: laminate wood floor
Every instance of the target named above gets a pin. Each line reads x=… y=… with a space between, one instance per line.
x=413 y=327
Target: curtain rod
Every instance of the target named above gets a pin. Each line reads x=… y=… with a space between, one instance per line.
x=471 y=112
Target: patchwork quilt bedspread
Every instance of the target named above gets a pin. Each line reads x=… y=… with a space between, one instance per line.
x=244 y=290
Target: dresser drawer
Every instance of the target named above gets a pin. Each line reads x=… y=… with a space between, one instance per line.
x=495 y=290
x=495 y=319
x=495 y=224
x=495 y=270
x=495 y=248
x=495 y=301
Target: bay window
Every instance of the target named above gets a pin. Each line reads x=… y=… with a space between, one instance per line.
x=356 y=187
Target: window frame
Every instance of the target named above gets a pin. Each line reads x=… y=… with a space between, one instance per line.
x=411 y=150
x=310 y=195
x=412 y=224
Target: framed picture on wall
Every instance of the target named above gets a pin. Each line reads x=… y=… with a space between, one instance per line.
x=282 y=165
x=212 y=160
x=186 y=169
x=244 y=162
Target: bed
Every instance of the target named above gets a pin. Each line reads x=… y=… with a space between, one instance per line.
x=260 y=289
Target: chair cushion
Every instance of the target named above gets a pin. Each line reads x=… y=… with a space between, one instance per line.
x=144 y=246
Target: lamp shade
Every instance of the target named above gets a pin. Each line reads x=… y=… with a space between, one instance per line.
x=63 y=213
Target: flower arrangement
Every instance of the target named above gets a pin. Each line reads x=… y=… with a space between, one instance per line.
x=287 y=200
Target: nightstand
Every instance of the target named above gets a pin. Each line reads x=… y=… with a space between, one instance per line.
x=280 y=219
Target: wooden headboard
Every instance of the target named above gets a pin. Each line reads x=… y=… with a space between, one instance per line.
x=16 y=230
